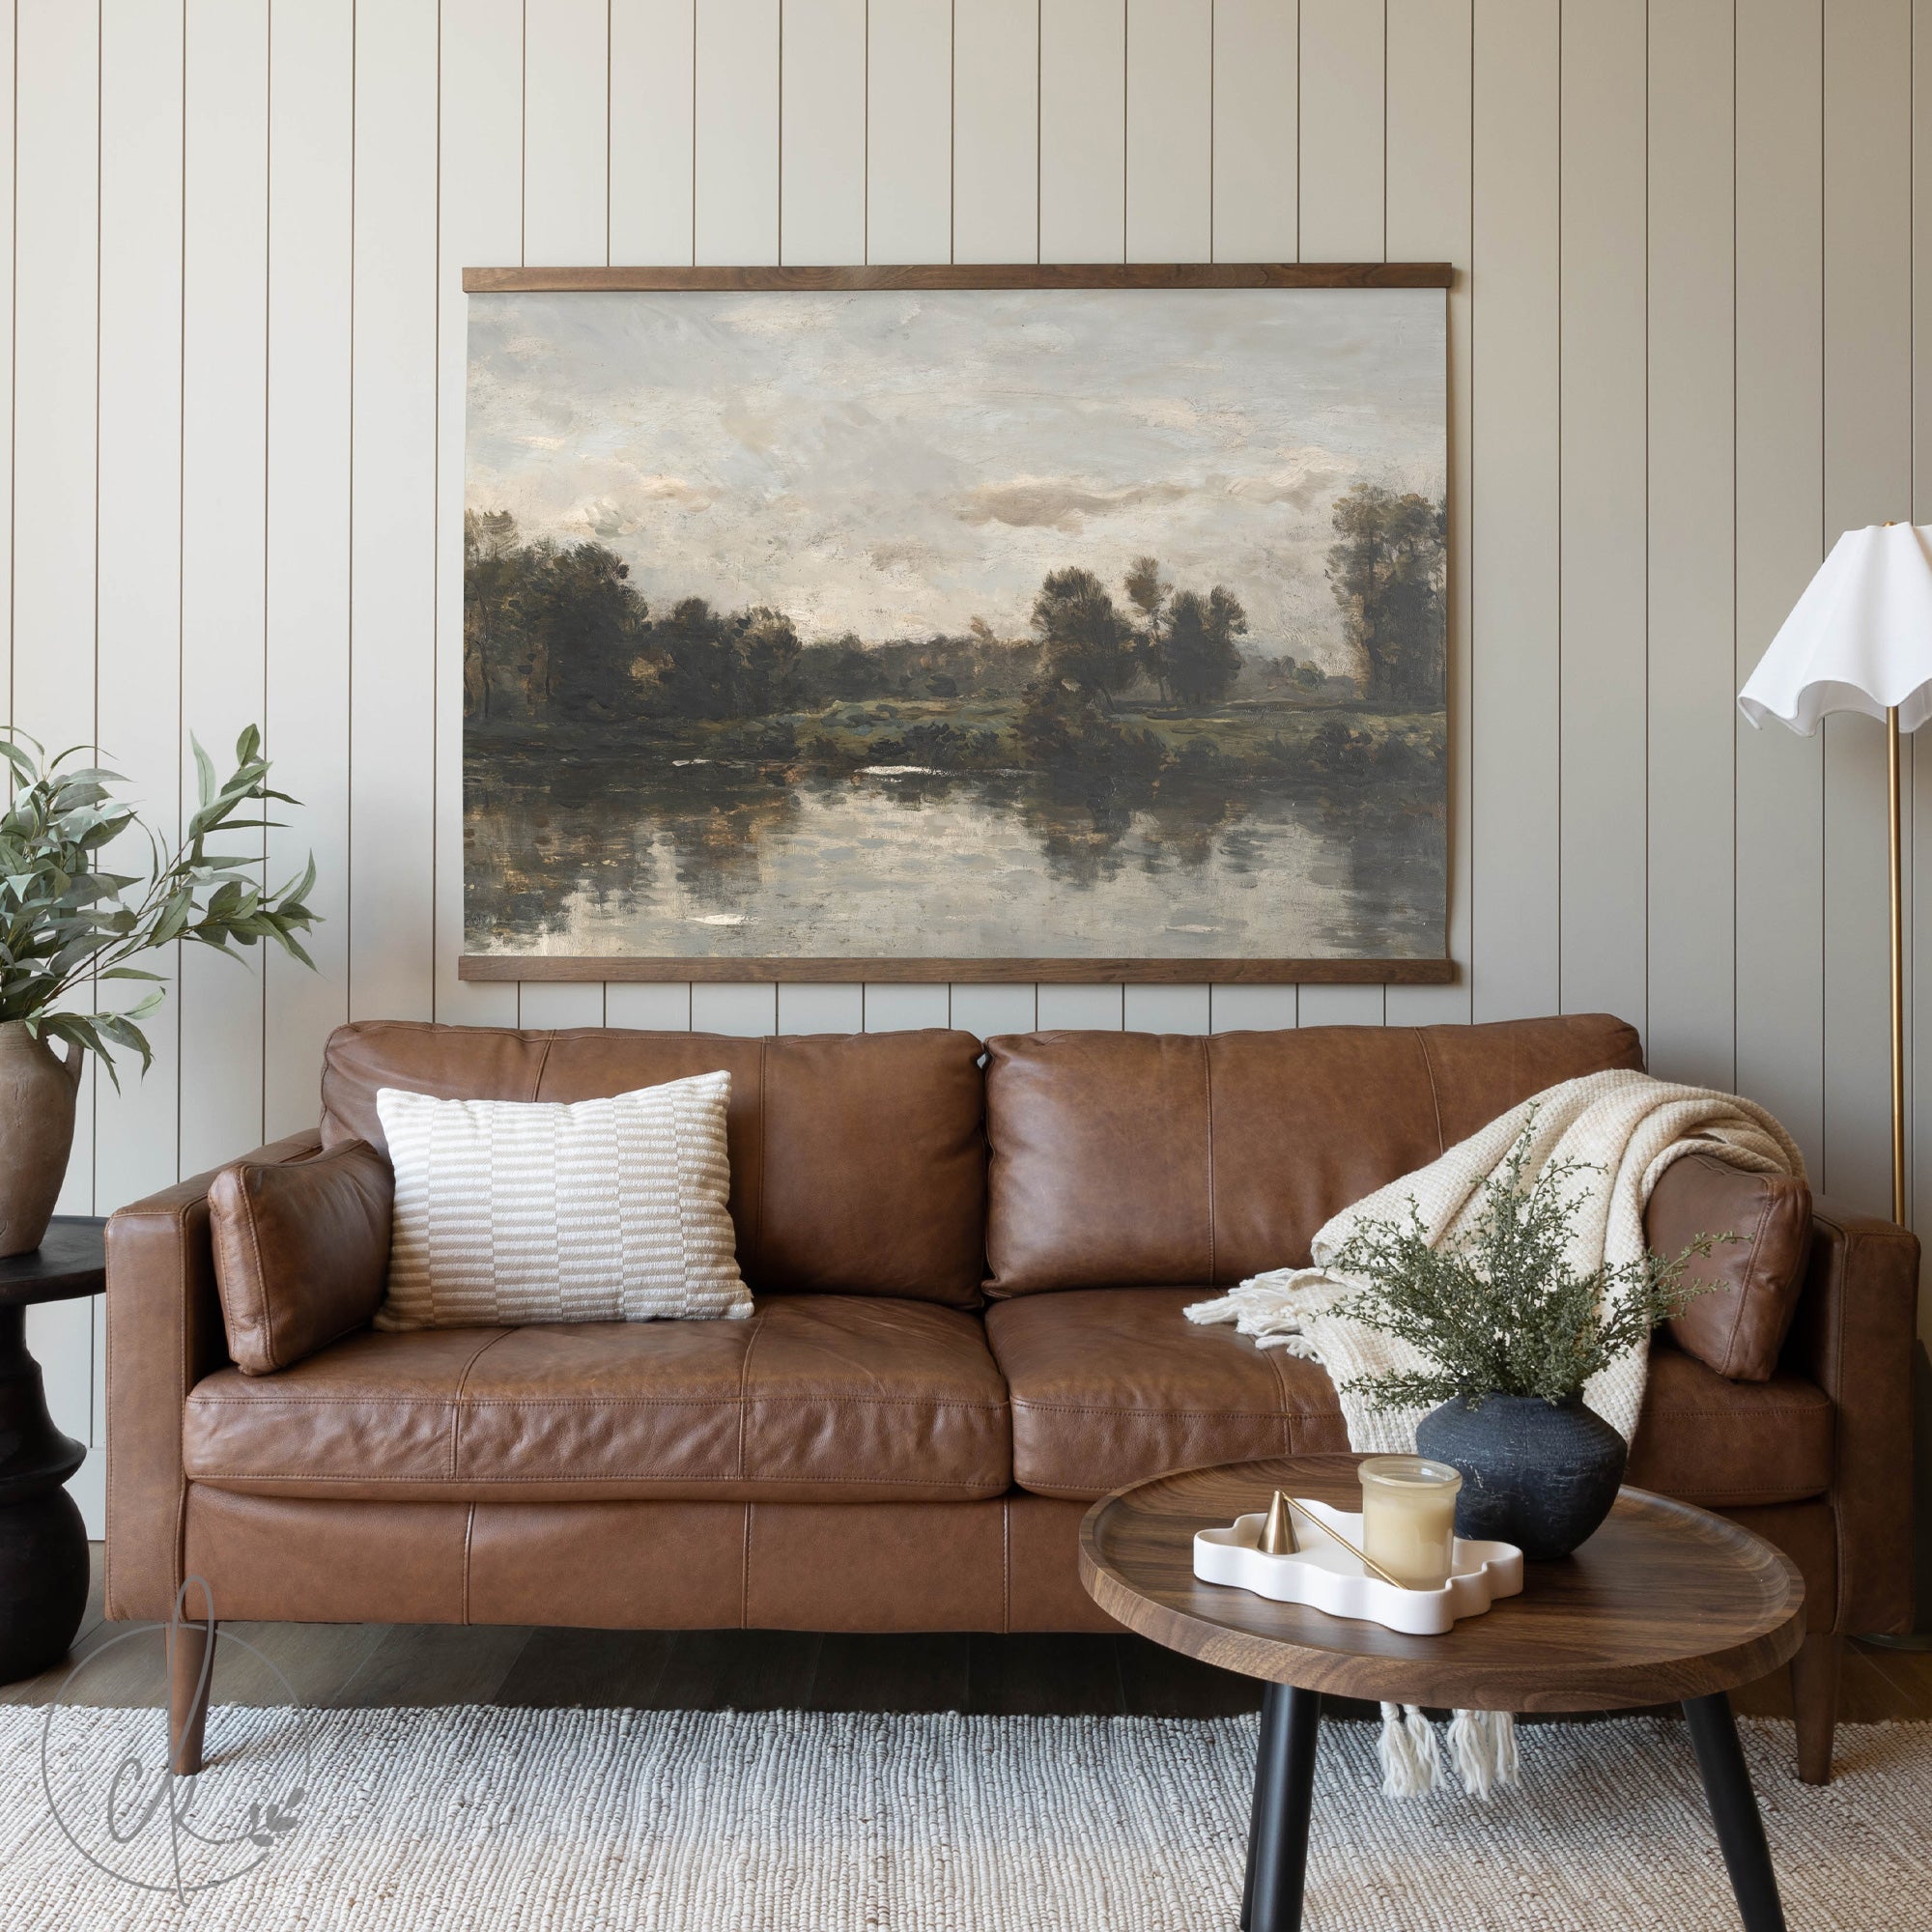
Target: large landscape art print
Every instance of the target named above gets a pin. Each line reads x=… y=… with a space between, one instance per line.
x=935 y=631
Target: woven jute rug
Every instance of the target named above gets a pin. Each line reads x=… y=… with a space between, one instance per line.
x=794 y=1822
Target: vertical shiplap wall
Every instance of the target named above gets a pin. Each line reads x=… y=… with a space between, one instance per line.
x=1683 y=348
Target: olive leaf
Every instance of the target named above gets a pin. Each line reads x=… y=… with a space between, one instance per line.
x=66 y=922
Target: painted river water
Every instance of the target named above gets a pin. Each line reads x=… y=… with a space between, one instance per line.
x=602 y=854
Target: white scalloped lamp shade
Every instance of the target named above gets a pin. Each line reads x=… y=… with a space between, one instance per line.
x=1859 y=640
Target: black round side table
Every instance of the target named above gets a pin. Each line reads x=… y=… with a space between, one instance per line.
x=43 y=1540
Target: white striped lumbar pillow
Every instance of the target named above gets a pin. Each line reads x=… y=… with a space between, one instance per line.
x=512 y=1211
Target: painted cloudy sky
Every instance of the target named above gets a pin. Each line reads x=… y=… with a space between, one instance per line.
x=899 y=464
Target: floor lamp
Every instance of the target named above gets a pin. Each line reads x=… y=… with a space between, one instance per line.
x=1861 y=640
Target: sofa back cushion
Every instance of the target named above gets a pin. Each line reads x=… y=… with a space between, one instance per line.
x=1148 y=1159
x=858 y=1161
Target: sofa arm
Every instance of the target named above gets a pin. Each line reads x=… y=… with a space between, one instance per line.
x=1852 y=1336
x=164 y=1333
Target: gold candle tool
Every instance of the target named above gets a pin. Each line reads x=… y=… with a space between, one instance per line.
x=1278 y=1537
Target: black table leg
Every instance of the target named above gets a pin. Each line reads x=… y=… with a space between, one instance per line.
x=1259 y=1799
x=1714 y=1736
x=1284 y=1794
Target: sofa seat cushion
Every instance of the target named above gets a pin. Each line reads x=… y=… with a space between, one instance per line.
x=1726 y=1444
x=816 y=1398
x=1112 y=1385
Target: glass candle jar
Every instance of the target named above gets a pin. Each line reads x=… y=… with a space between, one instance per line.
x=1408 y=1518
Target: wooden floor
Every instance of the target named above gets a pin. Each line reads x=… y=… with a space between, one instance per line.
x=352 y=1666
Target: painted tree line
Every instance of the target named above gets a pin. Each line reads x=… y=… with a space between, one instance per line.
x=556 y=633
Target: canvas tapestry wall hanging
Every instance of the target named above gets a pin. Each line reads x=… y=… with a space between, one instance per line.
x=948 y=623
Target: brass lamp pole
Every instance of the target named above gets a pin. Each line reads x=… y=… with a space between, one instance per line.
x=1861 y=640
x=1897 y=885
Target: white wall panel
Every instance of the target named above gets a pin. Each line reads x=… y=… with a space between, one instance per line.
x=891 y=1007
x=823 y=141
x=1342 y=105
x=1064 y=1006
x=734 y=1008
x=139 y=497
x=1517 y=616
x=996 y=149
x=1780 y=520
x=1605 y=485
x=990 y=1010
x=480 y=221
x=652 y=127
x=139 y=494
x=560 y=1002
x=392 y=518
x=735 y=97
x=1166 y=1009
x=311 y=244
x=1428 y=132
x=658 y=1007
x=223 y=520
x=1233 y=1008
x=908 y=126
x=1082 y=131
x=567 y=202
x=821 y=1005
x=1170 y=131
x=1343 y=217
x=566 y=145
x=1255 y=129
x=54 y=679
x=56 y=294
x=1693 y=528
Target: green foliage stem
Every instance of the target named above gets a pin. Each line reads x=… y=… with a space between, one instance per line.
x=1498 y=1310
x=64 y=920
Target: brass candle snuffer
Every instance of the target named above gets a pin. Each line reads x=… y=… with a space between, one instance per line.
x=1278 y=1537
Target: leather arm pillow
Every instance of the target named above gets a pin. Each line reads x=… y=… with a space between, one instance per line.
x=301 y=1251
x=1739 y=1326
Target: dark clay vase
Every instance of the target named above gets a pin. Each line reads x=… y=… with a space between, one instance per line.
x=1540 y=1475
x=37 y=1094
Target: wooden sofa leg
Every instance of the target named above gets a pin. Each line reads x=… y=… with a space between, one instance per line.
x=187 y=1694
x=1814 y=1702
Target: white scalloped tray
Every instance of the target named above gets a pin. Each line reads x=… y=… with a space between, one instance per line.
x=1323 y=1575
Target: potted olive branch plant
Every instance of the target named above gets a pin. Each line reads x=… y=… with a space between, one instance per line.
x=1512 y=1332
x=67 y=923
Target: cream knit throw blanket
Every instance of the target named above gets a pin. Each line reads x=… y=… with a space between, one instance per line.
x=1627 y=1129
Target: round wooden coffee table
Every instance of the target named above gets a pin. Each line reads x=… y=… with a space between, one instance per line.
x=1664 y=1603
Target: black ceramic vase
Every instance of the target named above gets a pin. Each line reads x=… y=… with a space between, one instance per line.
x=1540 y=1475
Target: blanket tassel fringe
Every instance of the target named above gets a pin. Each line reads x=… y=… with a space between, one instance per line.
x=1482 y=1746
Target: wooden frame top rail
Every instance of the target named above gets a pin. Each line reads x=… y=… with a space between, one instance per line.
x=978 y=275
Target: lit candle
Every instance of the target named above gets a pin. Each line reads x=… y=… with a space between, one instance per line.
x=1408 y=1518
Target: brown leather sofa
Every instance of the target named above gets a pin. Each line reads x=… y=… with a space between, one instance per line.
x=970 y=1284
